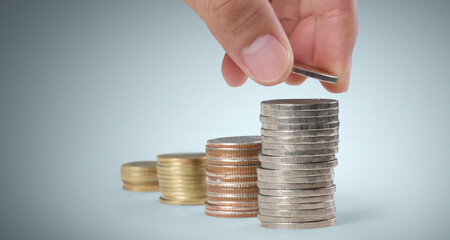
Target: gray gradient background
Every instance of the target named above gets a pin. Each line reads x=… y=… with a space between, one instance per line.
x=88 y=85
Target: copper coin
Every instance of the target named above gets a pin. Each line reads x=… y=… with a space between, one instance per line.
x=237 y=169
x=232 y=197
x=233 y=157
x=232 y=184
x=233 y=151
x=235 y=142
x=231 y=179
x=233 y=203
x=230 y=174
x=228 y=162
x=231 y=214
x=228 y=190
x=230 y=208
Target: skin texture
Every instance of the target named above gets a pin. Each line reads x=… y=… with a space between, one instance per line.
x=262 y=38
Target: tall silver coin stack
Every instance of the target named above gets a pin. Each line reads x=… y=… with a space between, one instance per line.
x=299 y=141
x=231 y=176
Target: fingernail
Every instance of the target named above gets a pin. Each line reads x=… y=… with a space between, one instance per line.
x=266 y=59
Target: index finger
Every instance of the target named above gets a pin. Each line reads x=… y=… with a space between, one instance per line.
x=336 y=28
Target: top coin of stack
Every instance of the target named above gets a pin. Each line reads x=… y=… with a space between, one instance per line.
x=139 y=176
x=295 y=180
x=182 y=178
x=231 y=176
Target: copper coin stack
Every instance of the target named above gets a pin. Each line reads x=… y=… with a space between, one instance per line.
x=299 y=142
x=139 y=176
x=231 y=176
x=182 y=178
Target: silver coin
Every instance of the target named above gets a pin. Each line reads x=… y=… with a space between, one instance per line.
x=293 y=226
x=290 y=179
x=300 y=127
x=294 y=199
x=304 y=113
x=304 y=166
x=293 y=186
x=300 y=140
x=295 y=213
x=315 y=120
x=232 y=184
x=304 y=146
x=314 y=72
x=316 y=152
x=297 y=206
x=299 y=219
x=303 y=133
x=298 y=192
x=299 y=104
x=296 y=159
x=292 y=173
x=233 y=141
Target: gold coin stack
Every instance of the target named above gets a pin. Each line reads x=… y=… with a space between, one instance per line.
x=139 y=176
x=182 y=178
x=231 y=176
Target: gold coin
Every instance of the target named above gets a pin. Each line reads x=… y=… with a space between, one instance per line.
x=140 y=188
x=138 y=177
x=182 y=171
x=182 y=181
x=181 y=168
x=181 y=177
x=164 y=184
x=187 y=185
x=184 y=198
x=140 y=166
x=184 y=192
x=182 y=202
x=201 y=189
x=141 y=183
x=182 y=157
x=182 y=164
x=183 y=186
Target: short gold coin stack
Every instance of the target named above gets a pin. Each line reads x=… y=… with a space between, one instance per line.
x=182 y=178
x=139 y=176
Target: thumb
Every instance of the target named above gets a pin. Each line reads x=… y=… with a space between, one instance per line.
x=252 y=36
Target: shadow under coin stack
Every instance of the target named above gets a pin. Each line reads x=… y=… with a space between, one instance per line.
x=231 y=176
x=295 y=180
x=182 y=178
x=139 y=176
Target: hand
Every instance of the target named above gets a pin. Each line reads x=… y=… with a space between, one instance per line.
x=262 y=38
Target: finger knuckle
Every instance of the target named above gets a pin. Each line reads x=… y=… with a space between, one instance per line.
x=234 y=16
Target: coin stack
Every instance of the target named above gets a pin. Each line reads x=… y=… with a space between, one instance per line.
x=231 y=176
x=139 y=176
x=182 y=178
x=295 y=180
